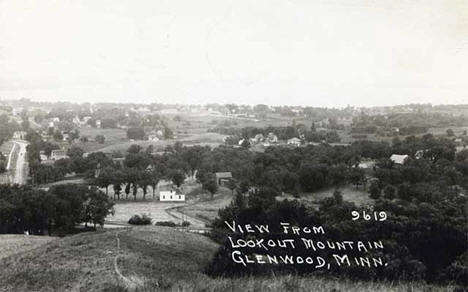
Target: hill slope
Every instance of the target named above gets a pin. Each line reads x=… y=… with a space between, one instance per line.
x=147 y=259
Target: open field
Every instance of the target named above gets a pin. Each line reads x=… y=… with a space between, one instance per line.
x=11 y=244
x=155 y=209
x=203 y=139
x=151 y=258
x=113 y=136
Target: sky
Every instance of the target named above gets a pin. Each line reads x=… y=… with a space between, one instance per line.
x=290 y=52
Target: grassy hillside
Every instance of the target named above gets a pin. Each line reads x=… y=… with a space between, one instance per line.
x=147 y=259
x=11 y=244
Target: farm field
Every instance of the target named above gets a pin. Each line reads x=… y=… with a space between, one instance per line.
x=151 y=258
x=113 y=136
x=155 y=209
x=203 y=139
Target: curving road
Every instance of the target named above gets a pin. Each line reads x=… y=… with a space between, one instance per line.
x=19 y=175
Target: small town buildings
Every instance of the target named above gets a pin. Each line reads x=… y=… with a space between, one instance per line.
x=223 y=177
x=272 y=138
x=19 y=135
x=399 y=159
x=58 y=154
x=419 y=154
x=294 y=141
x=153 y=138
x=171 y=196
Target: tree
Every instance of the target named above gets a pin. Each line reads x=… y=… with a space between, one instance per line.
x=168 y=133
x=389 y=192
x=338 y=196
x=210 y=185
x=245 y=143
x=75 y=152
x=177 y=177
x=127 y=190
x=100 y=139
x=96 y=207
x=74 y=134
x=232 y=185
x=374 y=190
x=105 y=178
x=144 y=180
x=356 y=176
x=58 y=136
x=134 y=149
x=155 y=176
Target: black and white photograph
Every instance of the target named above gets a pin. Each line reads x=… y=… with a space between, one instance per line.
x=221 y=145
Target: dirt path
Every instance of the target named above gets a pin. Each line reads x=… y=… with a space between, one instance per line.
x=131 y=283
x=194 y=222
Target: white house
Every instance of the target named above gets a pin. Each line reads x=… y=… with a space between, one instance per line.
x=294 y=141
x=171 y=196
x=399 y=159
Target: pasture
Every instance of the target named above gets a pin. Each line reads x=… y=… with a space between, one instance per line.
x=157 y=259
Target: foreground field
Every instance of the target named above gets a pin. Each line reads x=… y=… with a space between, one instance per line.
x=11 y=244
x=149 y=259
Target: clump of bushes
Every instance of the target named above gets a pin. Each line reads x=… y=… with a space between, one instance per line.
x=166 y=223
x=172 y=224
x=142 y=219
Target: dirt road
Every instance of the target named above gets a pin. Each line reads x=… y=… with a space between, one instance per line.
x=20 y=167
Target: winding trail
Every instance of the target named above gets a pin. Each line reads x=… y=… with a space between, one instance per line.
x=131 y=283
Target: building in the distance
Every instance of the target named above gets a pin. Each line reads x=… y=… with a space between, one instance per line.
x=171 y=196
x=58 y=154
x=399 y=159
x=223 y=177
x=294 y=141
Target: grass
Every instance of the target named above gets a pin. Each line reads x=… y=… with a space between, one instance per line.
x=156 y=210
x=11 y=244
x=207 y=209
x=113 y=136
x=159 y=259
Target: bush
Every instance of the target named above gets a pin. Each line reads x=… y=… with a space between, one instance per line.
x=185 y=224
x=142 y=219
x=166 y=223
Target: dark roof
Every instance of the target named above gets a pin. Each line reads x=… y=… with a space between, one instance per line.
x=223 y=175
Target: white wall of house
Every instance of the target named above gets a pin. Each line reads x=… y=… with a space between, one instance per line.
x=171 y=196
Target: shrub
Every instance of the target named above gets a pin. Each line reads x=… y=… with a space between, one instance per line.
x=166 y=223
x=185 y=224
x=142 y=219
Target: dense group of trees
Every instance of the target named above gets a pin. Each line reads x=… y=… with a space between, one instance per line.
x=56 y=211
x=422 y=240
x=7 y=128
x=424 y=235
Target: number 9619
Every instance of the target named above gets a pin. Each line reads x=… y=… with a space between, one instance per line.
x=368 y=216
